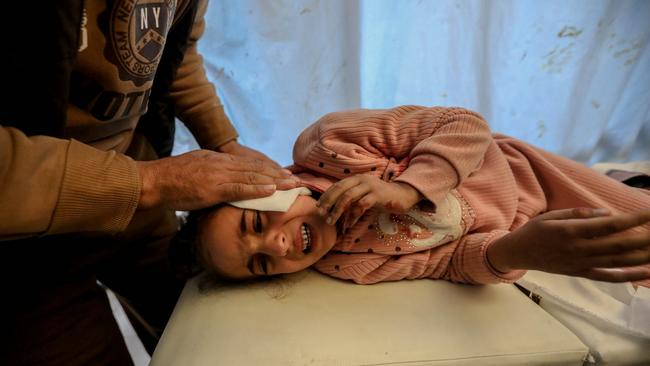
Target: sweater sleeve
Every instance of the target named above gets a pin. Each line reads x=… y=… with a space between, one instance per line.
x=195 y=97
x=51 y=186
x=461 y=261
x=432 y=149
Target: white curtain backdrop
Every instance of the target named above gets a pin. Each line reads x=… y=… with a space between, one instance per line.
x=572 y=77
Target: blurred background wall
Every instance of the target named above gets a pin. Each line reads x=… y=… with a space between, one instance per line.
x=572 y=77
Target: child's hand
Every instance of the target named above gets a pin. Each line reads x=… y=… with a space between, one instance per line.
x=582 y=242
x=355 y=195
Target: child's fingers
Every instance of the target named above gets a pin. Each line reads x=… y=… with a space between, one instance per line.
x=617 y=274
x=360 y=207
x=573 y=213
x=330 y=196
x=618 y=244
x=345 y=200
x=601 y=226
x=628 y=259
x=349 y=219
x=345 y=219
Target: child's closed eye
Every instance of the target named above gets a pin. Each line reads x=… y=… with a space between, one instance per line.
x=257 y=222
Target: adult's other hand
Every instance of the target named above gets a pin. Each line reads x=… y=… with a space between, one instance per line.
x=203 y=178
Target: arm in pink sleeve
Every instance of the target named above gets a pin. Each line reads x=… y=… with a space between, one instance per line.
x=461 y=261
x=454 y=150
x=432 y=149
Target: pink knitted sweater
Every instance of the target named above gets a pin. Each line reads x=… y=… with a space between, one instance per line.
x=482 y=185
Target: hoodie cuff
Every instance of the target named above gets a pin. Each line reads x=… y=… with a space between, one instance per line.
x=99 y=193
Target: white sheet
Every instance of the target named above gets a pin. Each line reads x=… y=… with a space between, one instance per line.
x=612 y=319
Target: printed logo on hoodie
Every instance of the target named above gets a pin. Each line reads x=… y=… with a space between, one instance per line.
x=135 y=31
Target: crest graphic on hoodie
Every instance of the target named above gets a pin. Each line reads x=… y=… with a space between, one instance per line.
x=136 y=31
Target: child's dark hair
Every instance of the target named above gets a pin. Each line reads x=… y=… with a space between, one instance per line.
x=184 y=251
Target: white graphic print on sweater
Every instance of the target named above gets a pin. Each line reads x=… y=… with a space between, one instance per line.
x=424 y=229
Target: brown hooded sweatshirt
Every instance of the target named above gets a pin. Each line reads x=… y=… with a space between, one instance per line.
x=84 y=181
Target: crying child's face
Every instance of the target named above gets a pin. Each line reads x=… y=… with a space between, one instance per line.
x=242 y=243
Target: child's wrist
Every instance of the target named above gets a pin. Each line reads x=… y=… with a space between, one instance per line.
x=411 y=194
x=499 y=255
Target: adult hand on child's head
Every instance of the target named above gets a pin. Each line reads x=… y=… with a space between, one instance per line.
x=353 y=196
x=203 y=178
x=581 y=242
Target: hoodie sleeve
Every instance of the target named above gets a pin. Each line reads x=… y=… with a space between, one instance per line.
x=195 y=97
x=52 y=186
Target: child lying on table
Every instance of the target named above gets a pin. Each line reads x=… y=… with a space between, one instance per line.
x=414 y=192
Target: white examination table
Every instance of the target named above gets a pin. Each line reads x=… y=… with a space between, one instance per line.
x=310 y=319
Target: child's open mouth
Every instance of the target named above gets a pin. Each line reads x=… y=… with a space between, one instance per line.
x=306 y=238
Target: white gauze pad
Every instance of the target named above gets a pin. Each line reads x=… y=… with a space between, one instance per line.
x=278 y=201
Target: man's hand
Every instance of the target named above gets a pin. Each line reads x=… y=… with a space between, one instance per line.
x=204 y=178
x=579 y=242
x=355 y=195
x=232 y=147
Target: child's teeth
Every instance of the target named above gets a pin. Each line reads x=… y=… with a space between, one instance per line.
x=306 y=237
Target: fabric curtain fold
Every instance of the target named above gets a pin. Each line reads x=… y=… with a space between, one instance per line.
x=570 y=77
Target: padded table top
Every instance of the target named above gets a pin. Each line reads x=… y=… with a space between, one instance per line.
x=310 y=319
